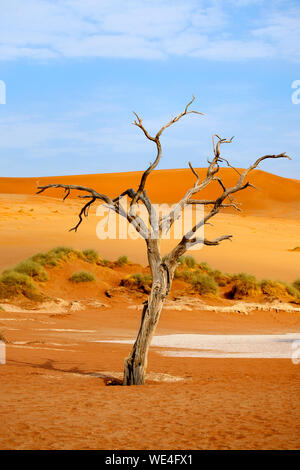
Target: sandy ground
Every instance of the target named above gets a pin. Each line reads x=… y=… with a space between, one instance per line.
x=54 y=395
x=54 y=387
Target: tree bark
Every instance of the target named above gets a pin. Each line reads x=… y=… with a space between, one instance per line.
x=136 y=363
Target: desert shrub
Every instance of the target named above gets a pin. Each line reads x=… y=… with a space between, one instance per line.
x=205 y=267
x=221 y=279
x=203 y=283
x=273 y=288
x=32 y=269
x=138 y=281
x=292 y=290
x=46 y=259
x=184 y=274
x=244 y=285
x=190 y=262
x=122 y=260
x=91 y=256
x=279 y=289
x=62 y=250
x=13 y=283
x=105 y=262
x=177 y=274
x=13 y=278
x=82 y=276
x=296 y=284
x=64 y=253
x=56 y=255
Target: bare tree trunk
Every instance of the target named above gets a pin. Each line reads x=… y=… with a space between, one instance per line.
x=136 y=363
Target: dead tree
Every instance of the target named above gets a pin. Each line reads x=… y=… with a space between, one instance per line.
x=162 y=269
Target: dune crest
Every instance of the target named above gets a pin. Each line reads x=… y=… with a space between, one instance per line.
x=275 y=195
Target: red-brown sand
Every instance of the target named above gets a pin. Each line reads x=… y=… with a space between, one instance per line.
x=50 y=399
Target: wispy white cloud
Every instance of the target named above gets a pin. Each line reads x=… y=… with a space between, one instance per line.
x=156 y=29
x=283 y=31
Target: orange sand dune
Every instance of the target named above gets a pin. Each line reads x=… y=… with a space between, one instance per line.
x=261 y=244
x=275 y=195
x=263 y=233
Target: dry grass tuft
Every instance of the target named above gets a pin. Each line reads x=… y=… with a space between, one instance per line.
x=138 y=281
x=82 y=276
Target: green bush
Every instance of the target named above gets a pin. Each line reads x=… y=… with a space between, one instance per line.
x=292 y=290
x=122 y=260
x=190 y=262
x=64 y=253
x=205 y=267
x=82 y=276
x=221 y=279
x=56 y=255
x=106 y=262
x=244 y=285
x=273 y=288
x=138 y=281
x=46 y=259
x=32 y=269
x=296 y=284
x=62 y=250
x=203 y=283
x=13 y=278
x=184 y=274
x=91 y=256
x=279 y=289
x=13 y=283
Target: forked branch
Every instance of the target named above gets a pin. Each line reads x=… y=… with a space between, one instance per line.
x=139 y=123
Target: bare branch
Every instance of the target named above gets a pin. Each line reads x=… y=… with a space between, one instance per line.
x=84 y=212
x=138 y=123
x=218 y=204
x=217 y=241
x=228 y=164
x=196 y=174
x=93 y=195
x=221 y=141
x=68 y=187
x=176 y=118
x=205 y=241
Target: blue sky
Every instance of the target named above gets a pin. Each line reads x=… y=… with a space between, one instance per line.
x=75 y=70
